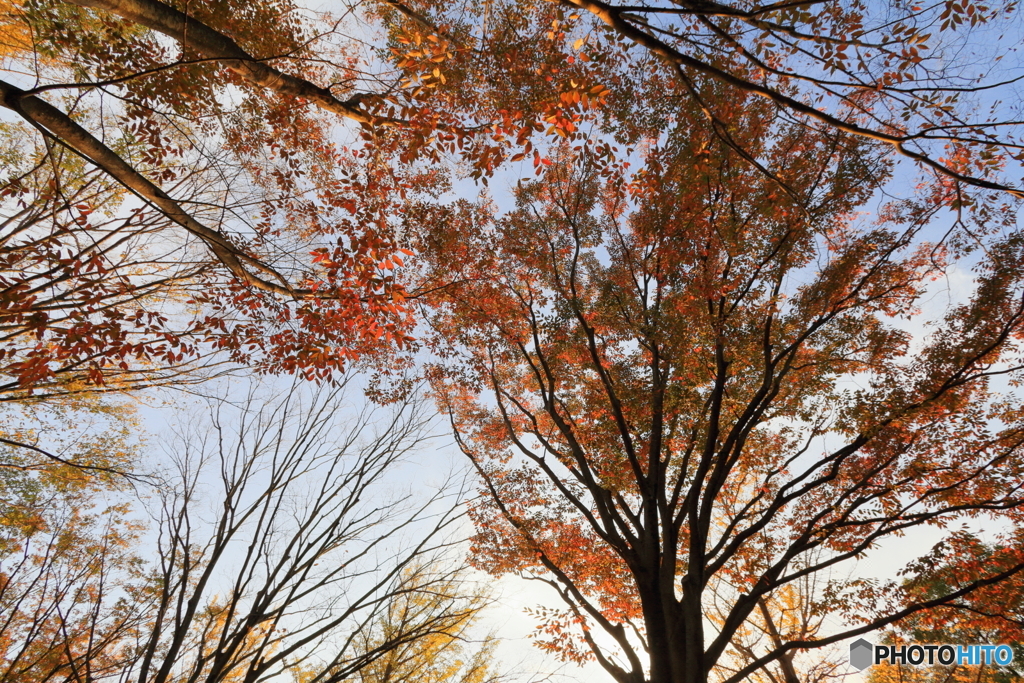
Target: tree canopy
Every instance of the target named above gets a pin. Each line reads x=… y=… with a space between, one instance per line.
x=288 y=148
x=685 y=388
x=694 y=357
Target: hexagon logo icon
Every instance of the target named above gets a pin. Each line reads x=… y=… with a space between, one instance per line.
x=861 y=654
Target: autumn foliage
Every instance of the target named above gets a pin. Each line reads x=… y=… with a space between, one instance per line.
x=689 y=337
x=288 y=155
x=685 y=382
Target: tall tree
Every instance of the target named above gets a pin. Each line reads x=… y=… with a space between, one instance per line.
x=300 y=550
x=688 y=379
x=277 y=547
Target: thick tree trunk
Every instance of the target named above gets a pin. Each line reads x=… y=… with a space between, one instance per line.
x=693 y=666
x=662 y=641
x=675 y=636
